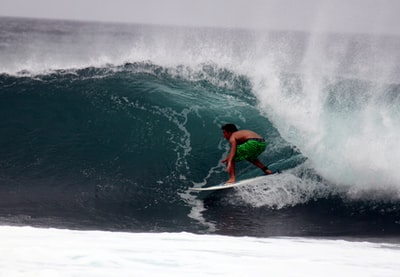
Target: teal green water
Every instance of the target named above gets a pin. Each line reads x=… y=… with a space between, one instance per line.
x=128 y=137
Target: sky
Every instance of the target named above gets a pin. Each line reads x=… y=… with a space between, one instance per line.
x=365 y=16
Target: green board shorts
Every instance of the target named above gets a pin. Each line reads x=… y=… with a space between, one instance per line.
x=250 y=150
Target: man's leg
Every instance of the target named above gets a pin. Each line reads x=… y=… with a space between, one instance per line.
x=260 y=165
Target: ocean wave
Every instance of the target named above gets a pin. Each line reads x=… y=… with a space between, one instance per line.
x=115 y=135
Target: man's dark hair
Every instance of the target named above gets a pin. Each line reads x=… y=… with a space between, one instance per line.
x=229 y=127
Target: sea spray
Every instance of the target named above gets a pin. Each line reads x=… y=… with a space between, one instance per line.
x=340 y=109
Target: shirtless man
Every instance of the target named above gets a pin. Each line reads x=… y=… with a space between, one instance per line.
x=245 y=145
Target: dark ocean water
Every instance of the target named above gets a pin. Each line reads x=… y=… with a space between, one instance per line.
x=107 y=126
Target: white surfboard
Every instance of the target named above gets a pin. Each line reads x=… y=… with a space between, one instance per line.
x=234 y=185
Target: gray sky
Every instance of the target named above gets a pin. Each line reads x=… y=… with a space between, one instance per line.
x=376 y=16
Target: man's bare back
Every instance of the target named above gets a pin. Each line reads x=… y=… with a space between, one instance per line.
x=242 y=136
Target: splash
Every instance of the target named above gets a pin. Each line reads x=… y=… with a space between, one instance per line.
x=339 y=105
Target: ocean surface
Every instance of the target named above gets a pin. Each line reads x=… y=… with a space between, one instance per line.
x=106 y=127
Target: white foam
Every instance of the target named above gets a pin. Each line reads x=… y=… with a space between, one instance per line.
x=282 y=190
x=28 y=251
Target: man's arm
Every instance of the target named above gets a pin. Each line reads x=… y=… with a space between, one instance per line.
x=232 y=153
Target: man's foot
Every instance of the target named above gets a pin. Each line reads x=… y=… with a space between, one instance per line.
x=230 y=181
x=266 y=170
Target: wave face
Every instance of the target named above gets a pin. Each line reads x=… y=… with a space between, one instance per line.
x=107 y=126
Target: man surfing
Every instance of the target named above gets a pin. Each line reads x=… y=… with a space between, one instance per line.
x=245 y=145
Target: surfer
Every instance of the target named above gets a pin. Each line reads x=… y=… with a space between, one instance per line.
x=245 y=145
